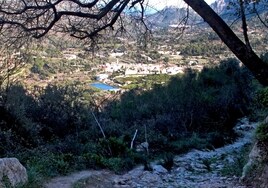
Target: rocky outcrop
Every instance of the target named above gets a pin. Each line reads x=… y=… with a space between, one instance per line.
x=253 y=161
x=263 y=180
x=12 y=172
x=255 y=172
x=220 y=5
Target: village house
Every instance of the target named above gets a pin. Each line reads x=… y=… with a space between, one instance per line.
x=101 y=77
x=70 y=56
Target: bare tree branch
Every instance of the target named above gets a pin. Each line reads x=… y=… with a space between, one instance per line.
x=133 y=139
x=100 y=127
x=39 y=17
x=87 y=19
x=244 y=23
x=258 y=15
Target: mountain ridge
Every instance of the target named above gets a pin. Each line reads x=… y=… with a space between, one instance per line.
x=227 y=9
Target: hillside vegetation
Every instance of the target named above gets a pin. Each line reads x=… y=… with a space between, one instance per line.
x=194 y=110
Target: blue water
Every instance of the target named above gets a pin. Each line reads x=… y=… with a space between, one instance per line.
x=103 y=86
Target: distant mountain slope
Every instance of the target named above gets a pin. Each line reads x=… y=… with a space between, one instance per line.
x=171 y=16
x=228 y=9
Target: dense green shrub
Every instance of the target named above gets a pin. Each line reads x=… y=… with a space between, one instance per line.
x=262 y=97
x=262 y=132
x=52 y=164
x=260 y=107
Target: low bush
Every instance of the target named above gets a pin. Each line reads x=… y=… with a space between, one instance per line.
x=168 y=161
x=262 y=132
x=240 y=159
x=262 y=97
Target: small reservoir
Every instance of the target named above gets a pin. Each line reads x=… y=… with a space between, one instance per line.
x=104 y=87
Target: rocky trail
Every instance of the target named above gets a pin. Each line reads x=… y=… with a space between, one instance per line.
x=95 y=179
x=197 y=168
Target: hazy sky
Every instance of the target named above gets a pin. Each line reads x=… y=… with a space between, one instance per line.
x=159 y=4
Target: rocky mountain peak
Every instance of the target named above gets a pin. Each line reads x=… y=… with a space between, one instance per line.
x=220 y=5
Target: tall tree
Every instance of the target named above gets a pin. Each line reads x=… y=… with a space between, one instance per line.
x=87 y=19
x=241 y=50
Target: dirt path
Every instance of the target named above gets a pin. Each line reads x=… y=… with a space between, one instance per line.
x=94 y=179
x=197 y=168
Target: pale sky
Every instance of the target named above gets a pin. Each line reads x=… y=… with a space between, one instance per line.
x=160 y=4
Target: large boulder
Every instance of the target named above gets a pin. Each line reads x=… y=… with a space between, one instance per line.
x=159 y=169
x=255 y=172
x=254 y=160
x=12 y=172
x=143 y=147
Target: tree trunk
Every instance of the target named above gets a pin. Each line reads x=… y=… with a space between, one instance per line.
x=245 y=54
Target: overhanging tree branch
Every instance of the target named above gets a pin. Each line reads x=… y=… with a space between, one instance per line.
x=83 y=19
x=39 y=17
x=258 y=15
